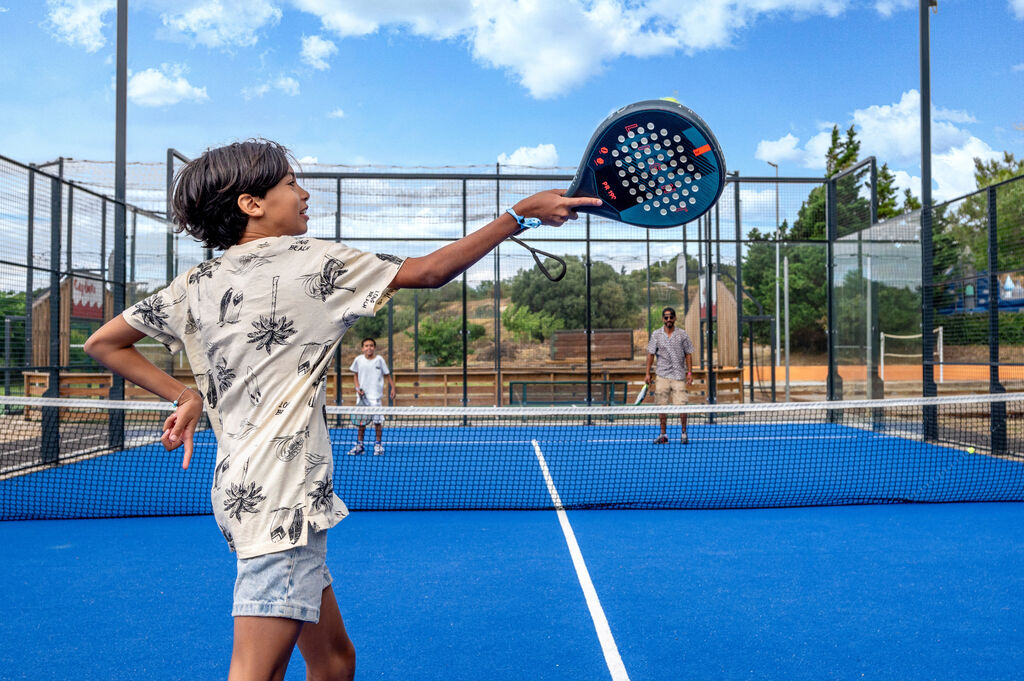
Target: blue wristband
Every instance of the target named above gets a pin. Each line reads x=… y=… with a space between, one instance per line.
x=525 y=223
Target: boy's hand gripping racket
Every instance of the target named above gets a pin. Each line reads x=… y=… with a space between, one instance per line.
x=655 y=164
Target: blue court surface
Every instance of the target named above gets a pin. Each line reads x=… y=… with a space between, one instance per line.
x=605 y=465
x=855 y=592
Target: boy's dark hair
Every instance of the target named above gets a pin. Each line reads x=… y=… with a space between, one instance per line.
x=669 y=309
x=368 y=339
x=206 y=189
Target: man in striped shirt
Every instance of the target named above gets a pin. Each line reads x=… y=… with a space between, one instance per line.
x=674 y=351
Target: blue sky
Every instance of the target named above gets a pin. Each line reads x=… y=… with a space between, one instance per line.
x=472 y=82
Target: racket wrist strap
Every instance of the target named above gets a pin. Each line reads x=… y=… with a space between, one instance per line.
x=525 y=223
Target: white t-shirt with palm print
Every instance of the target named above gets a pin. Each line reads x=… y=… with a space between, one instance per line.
x=259 y=325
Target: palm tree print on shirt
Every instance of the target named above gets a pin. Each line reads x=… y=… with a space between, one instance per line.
x=225 y=375
x=323 y=494
x=242 y=498
x=204 y=269
x=152 y=312
x=272 y=330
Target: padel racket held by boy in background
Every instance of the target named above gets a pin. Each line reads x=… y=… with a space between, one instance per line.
x=655 y=164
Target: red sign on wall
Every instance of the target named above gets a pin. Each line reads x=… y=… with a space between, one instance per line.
x=86 y=299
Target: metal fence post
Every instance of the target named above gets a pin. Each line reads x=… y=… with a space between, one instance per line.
x=169 y=269
x=497 y=292
x=29 y=261
x=997 y=410
x=50 y=419
x=589 y=324
x=930 y=414
x=833 y=383
x=710 y=384
x=465 y=313
x=116 y=424
x=338 y=379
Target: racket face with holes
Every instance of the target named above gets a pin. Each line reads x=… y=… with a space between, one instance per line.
x=641 y=395
x=654 y=164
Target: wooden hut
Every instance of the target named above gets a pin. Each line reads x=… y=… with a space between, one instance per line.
x=80 y=298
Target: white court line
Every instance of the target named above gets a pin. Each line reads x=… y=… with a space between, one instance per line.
x=604 y=632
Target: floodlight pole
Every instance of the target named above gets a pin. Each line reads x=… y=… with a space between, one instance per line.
x=927 y=340
x=115 y=431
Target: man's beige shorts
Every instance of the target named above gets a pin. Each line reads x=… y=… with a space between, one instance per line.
x=670 y=391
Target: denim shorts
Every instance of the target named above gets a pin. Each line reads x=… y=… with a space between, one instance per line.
x=286 y=584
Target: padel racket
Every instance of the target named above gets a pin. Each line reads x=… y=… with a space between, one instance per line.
x=654 y=163
x=641 y=395
x=361 y=419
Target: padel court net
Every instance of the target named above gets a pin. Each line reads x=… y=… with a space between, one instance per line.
x=63 y=458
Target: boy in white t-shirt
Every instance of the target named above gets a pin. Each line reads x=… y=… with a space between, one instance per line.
x=369 y=371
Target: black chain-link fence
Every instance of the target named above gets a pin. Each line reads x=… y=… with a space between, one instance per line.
x=794 y=314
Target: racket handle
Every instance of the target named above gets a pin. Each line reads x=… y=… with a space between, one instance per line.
x=536 y=253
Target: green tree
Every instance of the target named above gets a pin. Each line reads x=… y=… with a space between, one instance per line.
x=371 y=327
x=526 y=325
x=13 y=305
x=886 y=192
x=993 y=172
x=617 y=300
x=441 y=340
x=842 y=153
x=910 y=202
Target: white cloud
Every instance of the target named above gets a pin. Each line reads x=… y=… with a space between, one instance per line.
x=1017 y=7
x=285 y=84
x=309 y=160
x=554 y=45
x=892 y=134
x=441 y=19
x=223 y=23
x=337 y=113
x=540 y=156
x=953 y=169
x=80 y=22
x=893 y=131
x=163 y=87
x=889 y=7
x=786 y=149
x=316 y=50
x=782 y=150
x=255 y=91
x=1018 y=67
x=904 y=180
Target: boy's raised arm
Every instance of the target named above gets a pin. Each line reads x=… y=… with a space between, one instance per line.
x=448 y=262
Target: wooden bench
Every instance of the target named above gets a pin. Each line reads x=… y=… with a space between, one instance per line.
x=607 y=344
x=551 y=393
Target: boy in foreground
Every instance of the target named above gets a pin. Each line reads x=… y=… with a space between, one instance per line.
x=259 y=324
